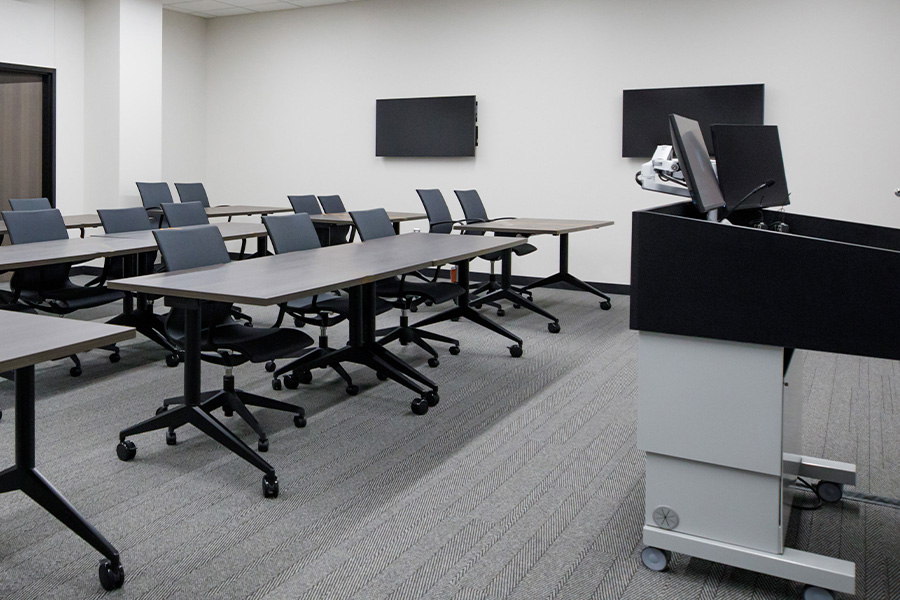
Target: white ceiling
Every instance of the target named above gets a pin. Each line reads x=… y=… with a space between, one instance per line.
x=227 y=8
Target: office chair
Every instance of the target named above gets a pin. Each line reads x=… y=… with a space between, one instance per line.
x=29 y=204
x=309 y=205
x=223 y=341
x=334 y=204
x=474 y=211
x=192 y=192
x=153 y=196
x=148 y=323
x=48 y=288
x=295 y=233
x=373 y=224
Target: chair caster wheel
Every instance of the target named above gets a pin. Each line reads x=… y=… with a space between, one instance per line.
x=655 y=559
x=419 y=406
x=811 y=592
x=515 y=351
x=500 y=312
x=276 y=384
x=270 y=486
x=75 y=371
x=381 y=375
x=126 y=450
x=262 y=445
x=454 y=350
x=162 y=409
x=112 y=576
x=114 y=358
x=299 y=421
x=171 y=438
x=828 y=491
x=475 y=305
x=433 y=362
x=227 y=411
x=172 y=360
x=270 y=366
x=290 y=382
x=517 y=306
x=305 y=377
x=1 y=414
x=432 y=397
x=352 y=389
x=606 y=305
x=553 y=327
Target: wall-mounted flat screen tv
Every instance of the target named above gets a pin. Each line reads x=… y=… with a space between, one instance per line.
x=645 y=123
x=443 y=126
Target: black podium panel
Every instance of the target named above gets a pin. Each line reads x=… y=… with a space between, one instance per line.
x=828 y=285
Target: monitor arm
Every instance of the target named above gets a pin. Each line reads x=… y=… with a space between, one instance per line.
x=663 y=174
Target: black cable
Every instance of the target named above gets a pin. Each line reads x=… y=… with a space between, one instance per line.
x=815 y=506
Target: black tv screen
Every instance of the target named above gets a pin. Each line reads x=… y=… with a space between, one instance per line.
x=747 y=157
x=687 y=141
x=645 y=112
x=443 y=126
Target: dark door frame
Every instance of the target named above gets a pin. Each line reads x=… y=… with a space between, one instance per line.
x=48 y=115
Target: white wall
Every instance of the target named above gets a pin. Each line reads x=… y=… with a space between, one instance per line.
x=290 y=103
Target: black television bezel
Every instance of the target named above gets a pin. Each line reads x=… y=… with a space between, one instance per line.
x=422 y=152
x=780 y=178
x=696 y=107
x=690 y=170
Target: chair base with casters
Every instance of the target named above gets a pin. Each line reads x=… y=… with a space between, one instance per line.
x=407 y=334
x=298 y=371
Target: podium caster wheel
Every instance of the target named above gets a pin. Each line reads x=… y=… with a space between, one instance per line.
x=606 y=305
x=305 y=377
x=432 y=398
x=75 y=371
x=454 y=350
x=114 y=358
x=515 y=351
x=419 y=406
x=811 y=592
x=500 y=312
x=172 y=360
x=299 y=421
x=162 y=409
x=270 y=486
x=381 y=375
x=553 y=327
x=126 y=450
x=828 y=491
x=655 y=559
x=262 y=445
x=352 y=390
x=171 y=438
x=270 y=366
x=276 y=384
x=433 y=362
x=111 y=576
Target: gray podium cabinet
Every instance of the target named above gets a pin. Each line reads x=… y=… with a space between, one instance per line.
x=721 y=309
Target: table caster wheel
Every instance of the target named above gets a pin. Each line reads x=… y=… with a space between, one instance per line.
x=553 y=327
x=172 y=360
x=171 y=438
x=263 y=445
x=276 y=384
x=75 y=371
x=828 y=491
x=606 y=305
x=515 y=351
x=433 y=362
x=304 y=377
x=162 y=409
x=270 y=486
x=381 y=375
x=299 y=421
x=500 y=312
x=811 y=592
x=454 y=350
x=126 y=450
x=112 y=576
x=270 y=366
x=352 y=389
x=227 y=411
x=419 y=406
x=114 y=358
x=432 y=398
x=655 y=559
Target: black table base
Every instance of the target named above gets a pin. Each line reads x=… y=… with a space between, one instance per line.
x=563 y=276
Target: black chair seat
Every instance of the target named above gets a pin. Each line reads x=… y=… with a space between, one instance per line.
x=257 y=345
x=337 y=305
x=518 y=251
x=70 y=297
x=437 y=292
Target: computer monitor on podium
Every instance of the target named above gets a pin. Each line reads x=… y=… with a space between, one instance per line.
x=747 y=157
x=693 y=157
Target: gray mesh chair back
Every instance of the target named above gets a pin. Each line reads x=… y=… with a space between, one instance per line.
x=26 y=226
x=190 y=248
x=29 y=203
x=154 y=195
x=291 y=233
x=185 y=214
x=372 y=224
x=338 y=234
x=439 y=219
x=305 y=204
x=473 y=208
x=332 y=204
x=192 y=192
x=120 y=220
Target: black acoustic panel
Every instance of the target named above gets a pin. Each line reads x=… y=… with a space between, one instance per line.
x=816 y=288
x=426 y=127
x=645 y=112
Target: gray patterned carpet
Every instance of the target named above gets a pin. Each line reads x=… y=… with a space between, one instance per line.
x=524 y=482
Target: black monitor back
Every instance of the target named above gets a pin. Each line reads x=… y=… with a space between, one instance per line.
x=746 y=157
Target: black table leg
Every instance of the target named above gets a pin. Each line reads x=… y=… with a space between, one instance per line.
x=506 y=292
x=26 y=478
x=563 y=276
